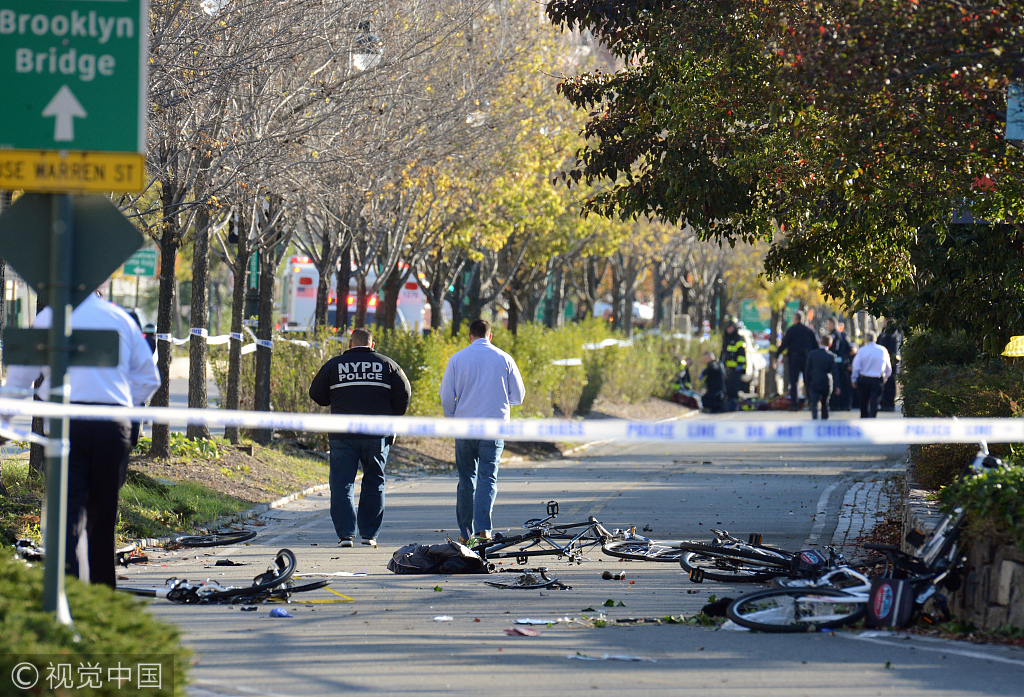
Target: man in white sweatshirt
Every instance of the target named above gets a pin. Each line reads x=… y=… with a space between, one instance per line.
x=481 y=381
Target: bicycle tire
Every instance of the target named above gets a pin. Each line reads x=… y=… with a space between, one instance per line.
x=215 y=539
x=781 y=610
x=732 y=564
x=271 y=580
x=304 y=587
x=637 y=550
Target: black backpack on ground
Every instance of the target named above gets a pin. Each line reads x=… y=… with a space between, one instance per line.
x=448 y=558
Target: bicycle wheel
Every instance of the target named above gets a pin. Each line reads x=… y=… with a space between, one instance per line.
x=644 y=551
x=215 y=539
x=732 y=564
x=796 y=610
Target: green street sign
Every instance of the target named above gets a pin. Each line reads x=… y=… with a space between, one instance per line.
x=142 y=263
x=74 y=75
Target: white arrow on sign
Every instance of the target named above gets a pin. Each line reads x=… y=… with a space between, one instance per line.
x=65 y=107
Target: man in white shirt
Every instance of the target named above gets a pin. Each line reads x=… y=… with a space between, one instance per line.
x=98 y=459
x=871 y=368
x=481 y=381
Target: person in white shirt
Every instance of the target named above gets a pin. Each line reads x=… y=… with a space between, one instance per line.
x=871 y=368
x=98 y=459
x=481 y=381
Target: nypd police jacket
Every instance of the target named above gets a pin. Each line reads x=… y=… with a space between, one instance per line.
x=361 y=381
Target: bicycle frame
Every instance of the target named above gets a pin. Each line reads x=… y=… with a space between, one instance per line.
x=542 y=538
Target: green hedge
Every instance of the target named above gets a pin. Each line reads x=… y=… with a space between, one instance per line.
x=106 y=623
x=995 y=500
x=943 y=376
x=624 y=374
x=935 y=348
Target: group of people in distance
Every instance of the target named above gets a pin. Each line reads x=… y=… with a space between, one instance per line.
x=837 y=374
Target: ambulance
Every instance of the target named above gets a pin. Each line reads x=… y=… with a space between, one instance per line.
x=298 y=300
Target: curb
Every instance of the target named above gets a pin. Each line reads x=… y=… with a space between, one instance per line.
x=919 y=512
x=254 y=512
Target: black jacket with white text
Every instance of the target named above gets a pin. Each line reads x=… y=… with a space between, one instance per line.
x=361 y=381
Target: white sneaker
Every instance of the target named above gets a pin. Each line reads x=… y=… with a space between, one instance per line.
x=347 y=542
x=371 y=542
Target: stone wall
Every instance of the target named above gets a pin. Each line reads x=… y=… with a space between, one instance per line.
x=992 y=593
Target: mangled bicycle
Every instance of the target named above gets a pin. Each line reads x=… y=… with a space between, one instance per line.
x=274 y=584
x=843 y=595
x=541 y=537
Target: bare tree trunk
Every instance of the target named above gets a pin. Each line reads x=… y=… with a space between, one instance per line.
x=344 y=279
x=170 y=241
x=514 y=308
x=473 y=292
x=324 y=284
x=264 y=355
x=240 y=271
x=630 y=296
x=199 y=316
x=619 y=317
x=361 y=298
x=436 y=301
x=722 y=302
x=392 y=289
x=456 y=303
x=773 y=340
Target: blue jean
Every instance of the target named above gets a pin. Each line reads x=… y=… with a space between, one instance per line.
x=346 y=456
x=477 y=463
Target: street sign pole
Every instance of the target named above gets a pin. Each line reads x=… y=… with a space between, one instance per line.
x=57 y=447
x=73 y=119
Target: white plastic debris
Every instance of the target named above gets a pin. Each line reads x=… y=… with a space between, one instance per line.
x=612 y=657
x=731 y=626
x=444 y=618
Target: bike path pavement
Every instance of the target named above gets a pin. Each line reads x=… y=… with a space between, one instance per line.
x=388 y=642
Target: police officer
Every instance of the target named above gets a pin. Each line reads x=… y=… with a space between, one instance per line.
x=734 y=356
x=98 y=458
x=798 y=341
x=713 y=376
x=359 y=381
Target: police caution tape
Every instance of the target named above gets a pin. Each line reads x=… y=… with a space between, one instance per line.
x=717 y=430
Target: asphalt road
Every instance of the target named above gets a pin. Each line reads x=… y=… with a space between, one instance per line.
x=388 y=642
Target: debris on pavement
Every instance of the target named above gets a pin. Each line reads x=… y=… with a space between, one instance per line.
x=611 y=657
x=249 y=608
x=444 y=618
x=228 y=562
x=522 y=631
x=28 y=550
x=717 y=607
x=280 y=612
x=312 y=574
x=274 y=584
x=731 y=626
x=527 y=620
x=131 y=555
x=616 y=576
x=531 y=581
